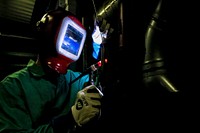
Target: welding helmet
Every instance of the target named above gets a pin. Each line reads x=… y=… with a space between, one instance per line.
x=61 y=37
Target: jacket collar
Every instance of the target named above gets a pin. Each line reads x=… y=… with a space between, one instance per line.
x=34 y=69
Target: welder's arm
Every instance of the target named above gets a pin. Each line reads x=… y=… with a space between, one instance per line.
x=87 y=108
x=100 y=34
x=97 y=40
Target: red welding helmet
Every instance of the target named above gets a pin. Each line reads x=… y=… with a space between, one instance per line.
x=62 y=38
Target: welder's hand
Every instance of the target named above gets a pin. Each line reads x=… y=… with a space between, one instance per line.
x=102 y=30
x=105 y=27
x=87 y=106
x=97 y=35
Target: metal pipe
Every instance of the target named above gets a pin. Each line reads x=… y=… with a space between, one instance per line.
x=107 y=8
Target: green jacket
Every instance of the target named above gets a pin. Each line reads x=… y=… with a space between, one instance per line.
x=28 y=101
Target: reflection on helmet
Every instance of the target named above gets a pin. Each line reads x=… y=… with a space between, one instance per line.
x=62 y=37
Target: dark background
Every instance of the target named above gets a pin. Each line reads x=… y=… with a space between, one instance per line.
x=128 y=104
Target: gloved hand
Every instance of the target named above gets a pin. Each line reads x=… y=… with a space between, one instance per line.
x=96 y=35
x=87 y=105
x=100 y=34
x=101 y=30
x=97 y=40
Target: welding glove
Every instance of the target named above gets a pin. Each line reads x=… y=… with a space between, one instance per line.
x=104 y=27
x=100 y=33
x=97 y=35
x=97 y=40
x=87 y=106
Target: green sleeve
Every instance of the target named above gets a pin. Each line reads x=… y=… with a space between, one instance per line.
x=14 y=116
